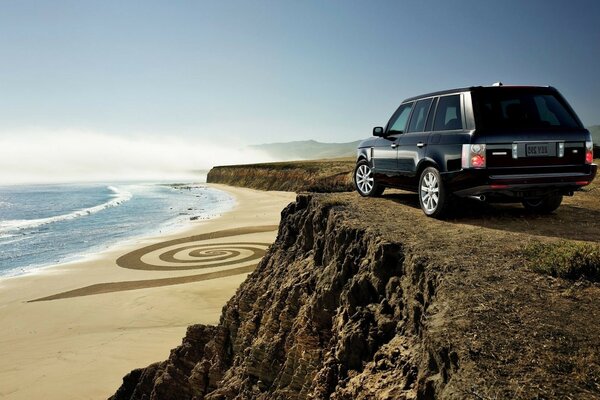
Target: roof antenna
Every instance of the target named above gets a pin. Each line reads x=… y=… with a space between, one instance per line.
x=498 y=84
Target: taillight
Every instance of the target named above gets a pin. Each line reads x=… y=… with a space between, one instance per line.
x=589 y=152
x=473 y=156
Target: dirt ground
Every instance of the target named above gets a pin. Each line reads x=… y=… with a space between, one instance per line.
x=578 y=218
x=519 y=334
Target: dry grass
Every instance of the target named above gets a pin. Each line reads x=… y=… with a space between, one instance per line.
x=518 y=333
x=322 y=176
x=565 y=259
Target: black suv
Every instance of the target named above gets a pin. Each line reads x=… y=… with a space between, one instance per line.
x=496 y=143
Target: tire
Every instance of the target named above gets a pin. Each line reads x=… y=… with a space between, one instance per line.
x=544 y=205
x=433 y=197
x=365 y=182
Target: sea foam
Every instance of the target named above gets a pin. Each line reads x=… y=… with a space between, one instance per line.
x=118 y=197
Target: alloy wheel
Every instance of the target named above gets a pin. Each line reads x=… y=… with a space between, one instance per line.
x=430 y=189
x=364 y=178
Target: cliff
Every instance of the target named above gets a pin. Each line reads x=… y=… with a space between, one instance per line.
x=367 y=299
x=333 y=175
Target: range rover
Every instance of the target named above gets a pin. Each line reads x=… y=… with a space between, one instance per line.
x=494 y=143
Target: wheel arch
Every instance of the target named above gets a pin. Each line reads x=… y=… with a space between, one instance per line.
x=364 y=153
x=424 y=163
x=376 y=188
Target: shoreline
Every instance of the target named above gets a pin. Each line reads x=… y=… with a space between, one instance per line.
x=81 y=345
x=176 y=225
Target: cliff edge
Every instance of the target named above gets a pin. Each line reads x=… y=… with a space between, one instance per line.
x=368 y=299
x=334 y=175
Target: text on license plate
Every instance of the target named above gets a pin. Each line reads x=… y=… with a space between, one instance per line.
x=540 y=150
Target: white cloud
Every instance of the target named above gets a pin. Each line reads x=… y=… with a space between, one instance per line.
x=42 y=156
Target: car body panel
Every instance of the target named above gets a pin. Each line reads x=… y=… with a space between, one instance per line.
x=385 y=155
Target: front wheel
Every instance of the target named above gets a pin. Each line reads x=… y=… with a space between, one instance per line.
x=432 y=193
x=365 y=182
x=544 y=205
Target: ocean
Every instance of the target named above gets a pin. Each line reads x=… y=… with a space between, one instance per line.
x=42 y=225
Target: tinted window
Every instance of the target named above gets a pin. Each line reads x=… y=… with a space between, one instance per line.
x=429 y=123
x=448 y=116
x=398 y=121
x=417 y=121
x=524 y=108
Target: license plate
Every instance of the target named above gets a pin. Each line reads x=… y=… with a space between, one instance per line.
x=540 y=150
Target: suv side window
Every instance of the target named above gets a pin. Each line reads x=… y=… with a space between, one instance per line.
x=398 y=122
x=448 y=116
x=417 y=121
x=429 y=123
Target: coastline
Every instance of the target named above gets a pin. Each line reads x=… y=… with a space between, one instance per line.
x=81 y=345
x=179 y=220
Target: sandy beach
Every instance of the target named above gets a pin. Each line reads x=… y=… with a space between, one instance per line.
x=72 y=331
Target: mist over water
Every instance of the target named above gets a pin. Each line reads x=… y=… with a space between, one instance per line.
x=84 y=156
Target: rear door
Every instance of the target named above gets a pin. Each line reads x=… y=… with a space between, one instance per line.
x=412 y=144
x=450 y=125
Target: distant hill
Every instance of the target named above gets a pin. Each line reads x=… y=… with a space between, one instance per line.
x=307 y=150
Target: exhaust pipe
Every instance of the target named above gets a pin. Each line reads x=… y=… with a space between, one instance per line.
x=480 y=197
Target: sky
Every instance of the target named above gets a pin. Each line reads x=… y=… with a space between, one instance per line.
x=205 y=78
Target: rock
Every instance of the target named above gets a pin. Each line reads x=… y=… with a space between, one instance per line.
x=339 y=310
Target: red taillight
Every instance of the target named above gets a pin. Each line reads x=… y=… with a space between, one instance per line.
x=478 y=161
x=582 y=183
x=473 y=156
x=498 y=186
x=589 y=152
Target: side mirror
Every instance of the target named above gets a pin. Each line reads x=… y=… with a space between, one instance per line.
x=378 y=131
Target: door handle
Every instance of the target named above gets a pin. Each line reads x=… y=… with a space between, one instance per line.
x=394 y=145
x=420 y=144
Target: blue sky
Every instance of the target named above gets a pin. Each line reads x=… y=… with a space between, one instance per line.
x=249 y=72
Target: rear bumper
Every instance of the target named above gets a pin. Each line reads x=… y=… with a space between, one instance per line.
x=519 y=183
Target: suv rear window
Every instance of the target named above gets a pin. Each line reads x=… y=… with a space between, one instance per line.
x=521 y=108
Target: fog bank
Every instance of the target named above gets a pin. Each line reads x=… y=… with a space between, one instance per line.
x=80 y=156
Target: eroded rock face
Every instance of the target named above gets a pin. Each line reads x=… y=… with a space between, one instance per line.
x=326 y=298
x=368 y=299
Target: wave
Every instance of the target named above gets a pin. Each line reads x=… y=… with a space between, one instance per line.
x=16 y=239
x=118 y=197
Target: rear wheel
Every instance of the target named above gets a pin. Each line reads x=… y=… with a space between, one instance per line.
x=432 y=193
x=365 y=182
x=544 y=205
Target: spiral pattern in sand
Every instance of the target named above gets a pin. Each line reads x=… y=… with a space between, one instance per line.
x=178 y=257
x=189 y=253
